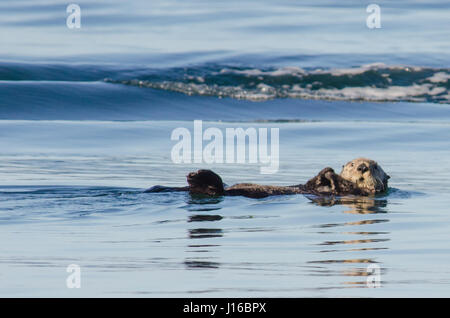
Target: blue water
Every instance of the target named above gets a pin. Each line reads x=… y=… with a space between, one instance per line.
x=86 y=117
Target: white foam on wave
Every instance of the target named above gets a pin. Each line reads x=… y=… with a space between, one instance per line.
x=413 y=93
x=386 y=83
x=439 y=77
x=393 y=93
x=297 y=71
x=354 y=70
x=291 y=71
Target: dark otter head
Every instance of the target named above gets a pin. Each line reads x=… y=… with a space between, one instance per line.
x=366 y=174
x=205 y=182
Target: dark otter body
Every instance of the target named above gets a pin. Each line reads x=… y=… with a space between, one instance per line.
x=207 y=182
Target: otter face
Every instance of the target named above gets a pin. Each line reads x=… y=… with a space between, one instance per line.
x=366 y=174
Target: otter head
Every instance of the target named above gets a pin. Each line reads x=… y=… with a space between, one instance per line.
x=205 y=182
x=366 y=174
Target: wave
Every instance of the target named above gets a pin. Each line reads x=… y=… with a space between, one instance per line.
x=375 y=82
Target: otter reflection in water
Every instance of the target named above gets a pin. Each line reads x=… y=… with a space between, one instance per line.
x=357 y=205
x=362 y=177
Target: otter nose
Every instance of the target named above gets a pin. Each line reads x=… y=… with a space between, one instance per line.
x=362 y=167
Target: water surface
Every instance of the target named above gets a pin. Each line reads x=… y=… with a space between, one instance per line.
x=78 y=198
x=85 y=122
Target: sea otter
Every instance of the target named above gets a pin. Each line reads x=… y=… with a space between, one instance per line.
x=360 y=176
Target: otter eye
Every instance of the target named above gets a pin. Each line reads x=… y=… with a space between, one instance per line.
x=352 y=164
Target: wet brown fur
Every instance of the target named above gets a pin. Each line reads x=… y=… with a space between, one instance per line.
x=360 y=176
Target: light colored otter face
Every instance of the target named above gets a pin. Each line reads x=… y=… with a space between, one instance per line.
x=366 y=174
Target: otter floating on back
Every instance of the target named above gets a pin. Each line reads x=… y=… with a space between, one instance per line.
x=360 y=176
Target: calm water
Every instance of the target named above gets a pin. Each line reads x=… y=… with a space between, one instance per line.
x=85 y=122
